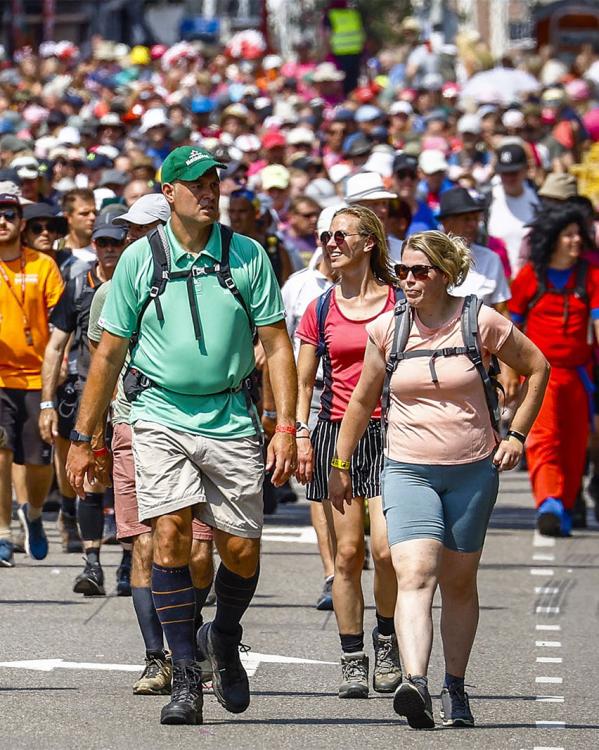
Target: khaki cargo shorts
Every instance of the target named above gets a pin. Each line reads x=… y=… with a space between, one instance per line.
x=221 y=479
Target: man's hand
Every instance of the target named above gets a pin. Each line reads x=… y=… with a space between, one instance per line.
x=268 y=425
x=48 y=424
x=80 y=466
x=508 y=454
x=305 y=460
x=281 y=457
x=340 y=489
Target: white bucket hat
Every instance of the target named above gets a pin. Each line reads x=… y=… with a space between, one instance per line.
x=366 y=186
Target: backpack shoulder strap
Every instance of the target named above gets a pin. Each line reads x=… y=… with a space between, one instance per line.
x=580 y=285
x=225 y=277
x=398 y=294
x=402 y=316
x=469 y=323
x=322 y=310
x=541 y=289
x=161 y=264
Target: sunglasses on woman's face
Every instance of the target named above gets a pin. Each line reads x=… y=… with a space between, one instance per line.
x=338 y=236
x=403 y=174
x=419 y=272
x=37 y=227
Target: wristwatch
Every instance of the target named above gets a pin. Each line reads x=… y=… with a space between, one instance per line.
x=78 y=437
x=301 y=426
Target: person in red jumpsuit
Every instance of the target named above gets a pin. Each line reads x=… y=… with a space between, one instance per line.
x=555 y=299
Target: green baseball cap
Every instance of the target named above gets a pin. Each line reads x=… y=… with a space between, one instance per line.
x=188 y=163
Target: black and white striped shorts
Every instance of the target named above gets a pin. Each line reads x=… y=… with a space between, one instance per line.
x=366 y=463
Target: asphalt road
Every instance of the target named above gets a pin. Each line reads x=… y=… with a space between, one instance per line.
x=67 y=663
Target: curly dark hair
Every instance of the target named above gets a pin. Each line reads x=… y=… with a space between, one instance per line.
x=546 y=228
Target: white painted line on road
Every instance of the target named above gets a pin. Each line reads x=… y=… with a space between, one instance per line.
x=549 y=698
x=544 y=557
x=542 y=541
x=549 y=660
x=541 y=572
x=549 y=680
x=550 y=724
x=545 y=747
x=547 y=610
x=548 y=644
x=546 y=590
x=549 y=627
x=290 y=534
x=251 y=662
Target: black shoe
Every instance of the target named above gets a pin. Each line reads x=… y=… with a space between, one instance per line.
x=413 y=701
x=123 y=577
x=579 y=512
x=90 y=582
x=186 y=696
x=229 y=678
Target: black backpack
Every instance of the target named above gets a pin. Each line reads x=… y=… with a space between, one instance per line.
x=471 y=349
x=579 y=290
x=134 y=381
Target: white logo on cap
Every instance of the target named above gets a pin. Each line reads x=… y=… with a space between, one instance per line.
x=195 y=156
x=506 y=157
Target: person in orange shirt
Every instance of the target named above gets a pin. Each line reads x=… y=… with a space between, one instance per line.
x=30 y=286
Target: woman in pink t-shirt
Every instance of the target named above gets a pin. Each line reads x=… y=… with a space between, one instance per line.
x=357 y=251
x=442 y=456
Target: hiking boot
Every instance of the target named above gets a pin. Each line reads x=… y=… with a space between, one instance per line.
x=123 y=577
x=90 y=582
x=7 y=558
x=354 y=671
x=36 y=542
x=186 y=696
x=413 y=701
x=156 y=677
x=455 y=708
x=593 y=490
x=387 y=666
x=579 y=512
x=324 y=603
x=109 y=529
x=69 y=533
x=229 y=678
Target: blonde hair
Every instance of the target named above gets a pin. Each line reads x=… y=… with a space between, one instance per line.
x=370 y=226
x=448 y=252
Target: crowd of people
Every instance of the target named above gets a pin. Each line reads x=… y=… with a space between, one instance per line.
x=372 y=275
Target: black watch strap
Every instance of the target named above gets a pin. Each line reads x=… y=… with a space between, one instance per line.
x=78 y=437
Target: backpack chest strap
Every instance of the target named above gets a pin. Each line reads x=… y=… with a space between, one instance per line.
x=433 y=354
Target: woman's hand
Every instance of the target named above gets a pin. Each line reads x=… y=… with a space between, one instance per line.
x=340 y=489
x=508 y=454
x=305 y=460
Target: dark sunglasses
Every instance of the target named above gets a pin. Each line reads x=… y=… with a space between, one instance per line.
x=10 y=214
x=338 y=236
x=109 y=242
x=419 y=272
x=37 y=227
x=403 y=173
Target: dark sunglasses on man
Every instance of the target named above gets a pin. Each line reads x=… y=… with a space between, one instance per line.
x=37 y=227
x=10 y=214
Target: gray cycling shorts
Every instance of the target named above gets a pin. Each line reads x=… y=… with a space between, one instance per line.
x=452 y=504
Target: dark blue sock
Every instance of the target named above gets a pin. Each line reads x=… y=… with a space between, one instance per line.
x=453 y=682
x=233 y=597
x=91 y=516
x=385 y=625
x=351 y=644
x=149 y=624
x=68 y=505
x=172 y=591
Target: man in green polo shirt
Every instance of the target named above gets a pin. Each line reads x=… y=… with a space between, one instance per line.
x=196 y=447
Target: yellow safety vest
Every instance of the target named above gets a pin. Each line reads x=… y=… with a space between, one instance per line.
x=347 y=37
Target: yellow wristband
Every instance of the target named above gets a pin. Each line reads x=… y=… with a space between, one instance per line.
x=338 y=463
